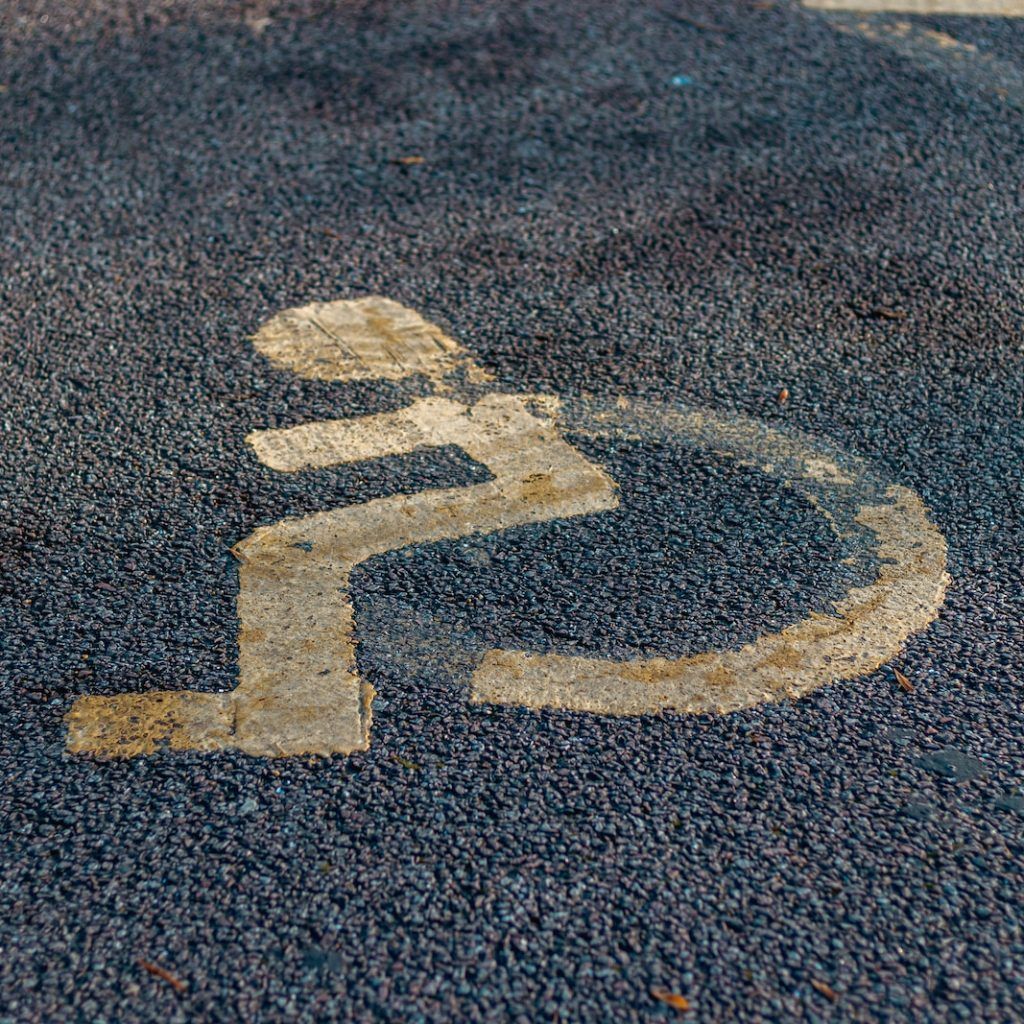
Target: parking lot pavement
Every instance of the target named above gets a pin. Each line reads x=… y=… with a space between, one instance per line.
x=512 y=513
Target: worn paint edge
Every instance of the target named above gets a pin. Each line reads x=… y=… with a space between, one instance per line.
x=869 y=627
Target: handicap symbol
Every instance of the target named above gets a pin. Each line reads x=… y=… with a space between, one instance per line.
x=299 y=689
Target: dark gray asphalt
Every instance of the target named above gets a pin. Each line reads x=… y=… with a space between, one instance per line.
x=173 y=174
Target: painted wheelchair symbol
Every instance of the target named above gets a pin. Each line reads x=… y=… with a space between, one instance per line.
x=299 y=690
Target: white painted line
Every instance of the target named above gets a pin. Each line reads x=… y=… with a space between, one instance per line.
x=299 y=689
x=980 y=8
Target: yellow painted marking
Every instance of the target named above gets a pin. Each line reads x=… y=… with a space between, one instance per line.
x=299 y=689
x=358 y=339
x=982 y=8
x=968 y=65
x=869 y=626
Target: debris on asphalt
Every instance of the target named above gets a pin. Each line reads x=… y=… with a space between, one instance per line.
x=681 y=80
x=673 y=999
x=878 y=312
x=825 y=989
x=783 y=396
x=905 y=684
x=163 y=974
x=408 y=161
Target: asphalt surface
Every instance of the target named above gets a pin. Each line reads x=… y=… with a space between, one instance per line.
x=700 y=202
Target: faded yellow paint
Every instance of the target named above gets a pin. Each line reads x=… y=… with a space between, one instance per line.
x=819 y=468
x=371 y=338
x=947 y=42
x=869 y=627
x=299 y=688
x=970 y=66
x=131 y=724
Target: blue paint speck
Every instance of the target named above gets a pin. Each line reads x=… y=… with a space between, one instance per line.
x=680 y=80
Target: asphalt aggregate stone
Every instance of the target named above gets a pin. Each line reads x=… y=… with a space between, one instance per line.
x=810 y=211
